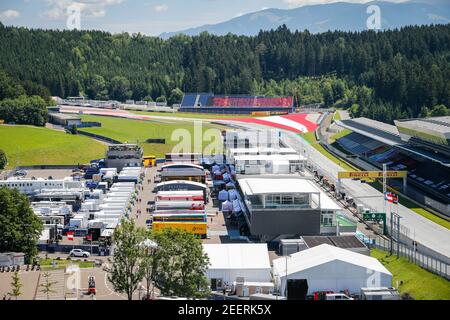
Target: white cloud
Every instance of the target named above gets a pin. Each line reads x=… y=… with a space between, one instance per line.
x=300 y=3
x=89 y=8
x=161 y=7
x=9 y=14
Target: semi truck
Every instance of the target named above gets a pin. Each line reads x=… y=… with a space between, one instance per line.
x=186 y=205
x=199 y=228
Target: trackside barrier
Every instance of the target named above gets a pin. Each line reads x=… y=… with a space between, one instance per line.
x=412 y=255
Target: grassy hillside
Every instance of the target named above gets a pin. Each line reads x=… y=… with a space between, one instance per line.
x=138 y=131
x=27 y=145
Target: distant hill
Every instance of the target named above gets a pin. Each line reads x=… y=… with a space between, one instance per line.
x=335 y=16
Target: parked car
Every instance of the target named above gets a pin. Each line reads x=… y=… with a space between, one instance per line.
x=79 y=253
x=338 y=296
x=20 y=173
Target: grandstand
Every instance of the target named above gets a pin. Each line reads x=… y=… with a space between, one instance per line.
x=420 y=146
x=235 y=104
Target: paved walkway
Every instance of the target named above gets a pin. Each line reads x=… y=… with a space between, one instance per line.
x=217 y=226
x=56 y=282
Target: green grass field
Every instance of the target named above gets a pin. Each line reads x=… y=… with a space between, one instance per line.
x=419 y=283
x=27 y=145
x=138 y=131
x=193 y=115
x=47 y=264
x=336 y=116
x=339 y=135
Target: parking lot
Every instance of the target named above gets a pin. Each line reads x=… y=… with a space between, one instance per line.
x=218 y=229
x=32 y=278
x=44 y=173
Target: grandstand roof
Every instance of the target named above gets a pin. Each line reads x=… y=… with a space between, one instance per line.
x=376 y=130
x=390 y=135
x=254 y=186
x=438 y=124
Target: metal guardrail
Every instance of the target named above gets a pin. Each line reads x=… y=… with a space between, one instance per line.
x=99 y=137
x=412 y=255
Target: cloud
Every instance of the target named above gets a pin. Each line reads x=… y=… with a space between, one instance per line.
x=57 y=9
x=161 y=7
x=300 y=3
x=9 y=14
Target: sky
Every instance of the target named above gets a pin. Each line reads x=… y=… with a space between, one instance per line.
x=150 y=17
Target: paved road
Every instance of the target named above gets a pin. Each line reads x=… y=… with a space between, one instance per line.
x=425 y=232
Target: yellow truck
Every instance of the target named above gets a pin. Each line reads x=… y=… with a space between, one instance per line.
x=193 y=227
x=149 y=161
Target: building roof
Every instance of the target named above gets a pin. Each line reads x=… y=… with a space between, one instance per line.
x=322 y=254
x=237 y=256
x=64 y=116
x=193 y=183
x=183 y=172
x=179 y=193
x=280 y=150
x=270 y=157
x=254 y=186
x=184 y=165
x=376 y=130
x=344 y=242
x=326 y=203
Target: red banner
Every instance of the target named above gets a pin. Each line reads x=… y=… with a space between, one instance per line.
x=225 y=101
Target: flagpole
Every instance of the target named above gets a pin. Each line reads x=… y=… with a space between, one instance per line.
x=398 y=233
x=390 y=199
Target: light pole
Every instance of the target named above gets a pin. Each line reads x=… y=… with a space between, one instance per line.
x=398 y=235
x=286 y=289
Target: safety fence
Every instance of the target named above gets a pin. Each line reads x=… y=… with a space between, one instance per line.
x=411 y=254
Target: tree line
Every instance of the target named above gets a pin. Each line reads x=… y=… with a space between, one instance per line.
x=395 y=73
x=23 y=102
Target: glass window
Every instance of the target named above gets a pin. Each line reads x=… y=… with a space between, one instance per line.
x=300 y=199
x=327 y=219
x=273 y=199
x=286 y=199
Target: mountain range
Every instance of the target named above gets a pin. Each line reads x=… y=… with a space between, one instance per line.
x=341 y=16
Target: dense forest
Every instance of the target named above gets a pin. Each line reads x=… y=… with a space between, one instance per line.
x=23 y=103
x=382 y=75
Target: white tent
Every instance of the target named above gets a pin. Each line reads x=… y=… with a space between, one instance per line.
x=230 y=261
x=329 y=268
